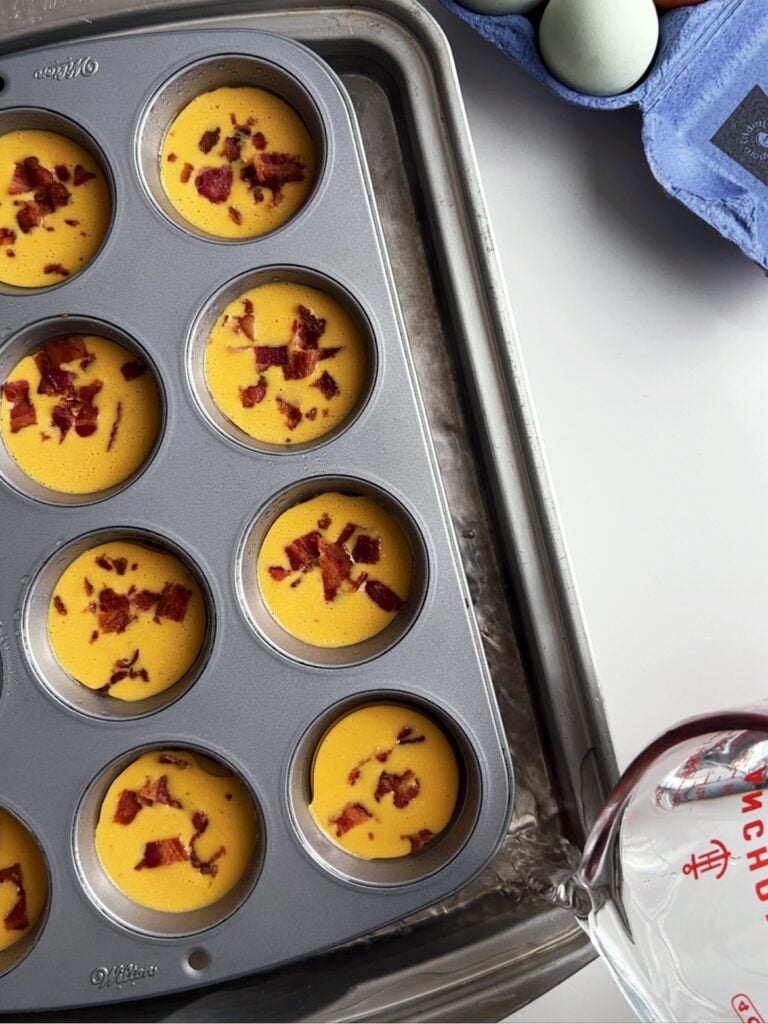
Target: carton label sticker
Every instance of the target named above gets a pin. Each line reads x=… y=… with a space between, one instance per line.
x=744 y=136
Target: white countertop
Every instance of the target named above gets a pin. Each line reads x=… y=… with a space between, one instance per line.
x=645 y=339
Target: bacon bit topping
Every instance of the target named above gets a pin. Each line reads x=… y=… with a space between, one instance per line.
x=335 y=566
x=259 y=141
x=120 y=564
x=29 y=216
x=418 y=839
x=63 y=418
x=128 y=662
x=115 y=425
x=59 y=605
x=367 y=549
x=381 y=595
x=346 y=533
x=94 y=636
x=173 y=602
x=270 y=355
x=304 y=551
x=247 y=325
x=157 y=793
x=406 y=736
x=81 y=175
x=351 y=815
x=131 y=371
x=292 y=413
x=327 y=386
x=356 y=584
x=235 y=215
x=114 y=611
x=307 y=328
x=172 y=158
x=72 y=223
x=22 y=411
x=403 y=787
x=10 y=253
x=44 y=436
x=20 y=181
x=62 y=173
x=55 y=268
x=38 y=175
x=209 y=139
x=295 y=583
x=7 y=237
x=88 y=414
x=186 y=173
x=214 y=183
x=53 y=381
x=231 y=150
x=324 y=521
x=330 y=353
x=173 y=759
x=161 y=852
x=302 y=363
x=383 y=756
x=205 y=867
x=16 y=920
x=144 y=599
x=88 y=586
x=274 y=170
x=127 y=807
x=104 y=562
x=278 y=573
x=254 y=393
x=353 y=776
x=65 y=348
x=52 y=196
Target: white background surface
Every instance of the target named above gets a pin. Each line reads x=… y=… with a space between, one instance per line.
x=645 y=338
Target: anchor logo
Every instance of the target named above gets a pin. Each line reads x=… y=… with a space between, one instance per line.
x=715 y=859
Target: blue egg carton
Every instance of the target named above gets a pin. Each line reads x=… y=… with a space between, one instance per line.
x=704 y=104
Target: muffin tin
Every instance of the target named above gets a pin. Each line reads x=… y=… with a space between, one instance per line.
x=256 y=703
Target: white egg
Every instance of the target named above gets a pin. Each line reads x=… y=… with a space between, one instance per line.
x=500 y=6
x=600 y=47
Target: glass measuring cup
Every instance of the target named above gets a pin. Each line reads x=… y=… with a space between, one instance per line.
x=673 y=884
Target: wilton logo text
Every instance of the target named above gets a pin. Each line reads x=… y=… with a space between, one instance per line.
x=120 y=975
x=82 y=67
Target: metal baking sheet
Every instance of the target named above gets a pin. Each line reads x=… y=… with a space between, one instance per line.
x=497 y=943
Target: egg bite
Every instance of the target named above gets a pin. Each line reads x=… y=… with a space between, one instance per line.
x=286 y=363
x=335 y=570
x=176 y=831
x=23 y=880
x=237 y=162
x=80 y=415
x=385 y=782
x=54 y=208
x=126 y=620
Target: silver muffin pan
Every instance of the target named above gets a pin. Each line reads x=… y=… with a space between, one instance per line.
x=256 y=700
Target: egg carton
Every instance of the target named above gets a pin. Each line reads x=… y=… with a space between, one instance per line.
x=255 y=700
x=704 y=104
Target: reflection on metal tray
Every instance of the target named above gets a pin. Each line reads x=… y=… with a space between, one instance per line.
x=497 y=944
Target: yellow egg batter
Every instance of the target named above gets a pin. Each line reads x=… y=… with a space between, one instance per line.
x=335 y=570
x=384 y=781
x=64 y=446
x=54 y=208
x=285 y=363
x=23 y=880
x=126 y=619
x=176 y=832
x=237 y=162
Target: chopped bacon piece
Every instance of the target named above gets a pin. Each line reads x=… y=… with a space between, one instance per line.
x=94 y=636
x=403 y=787
x=186 y=173
x=359 y=581
x=65 y=348
x=302 y=363
x=114 y=611
x=270 y=355
x=53 y=381
x=346 y=533
x=29 y=216
x=248 y=305
x=59 y=605
x=205 y=867
x=63 y=418
x=259 y=140
x=383 y=756
x=62 y=172
x=88 y=414
x=20 y=182
x=173 y=759
x=311 y=414
x=145 y=599
x=307 y=328
x=367 y=549
x=113 y=432
x=104 y=562
x=335 y=566
x=303 y=552
x=274 y=170
x=353 y=776
x=232 y=145
x=209 y=139
x=157 y=793
x=324 y=521
x=381 y=595
x=278 y=573
x=81 y=175
x=88 y=586
x=214 y=183
x=128 y=662
x=173 y=602
x=131 y=371
x=120 y=565
x=406 y=736
x=296 y=583
x=292 y=413
x=254 y=393
x=72 y=223
x=247 y=325
x=16 y=920
x=36 y=173
x=172 y=158
x=329 y=353
x=161 y=852
x=351 y=815
x=127 y=807
x=235 y=215
x=22 y=411
x=326 y=385
x=7 y=237
x=52 y=196
x=55 y=268
x=418 y=839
